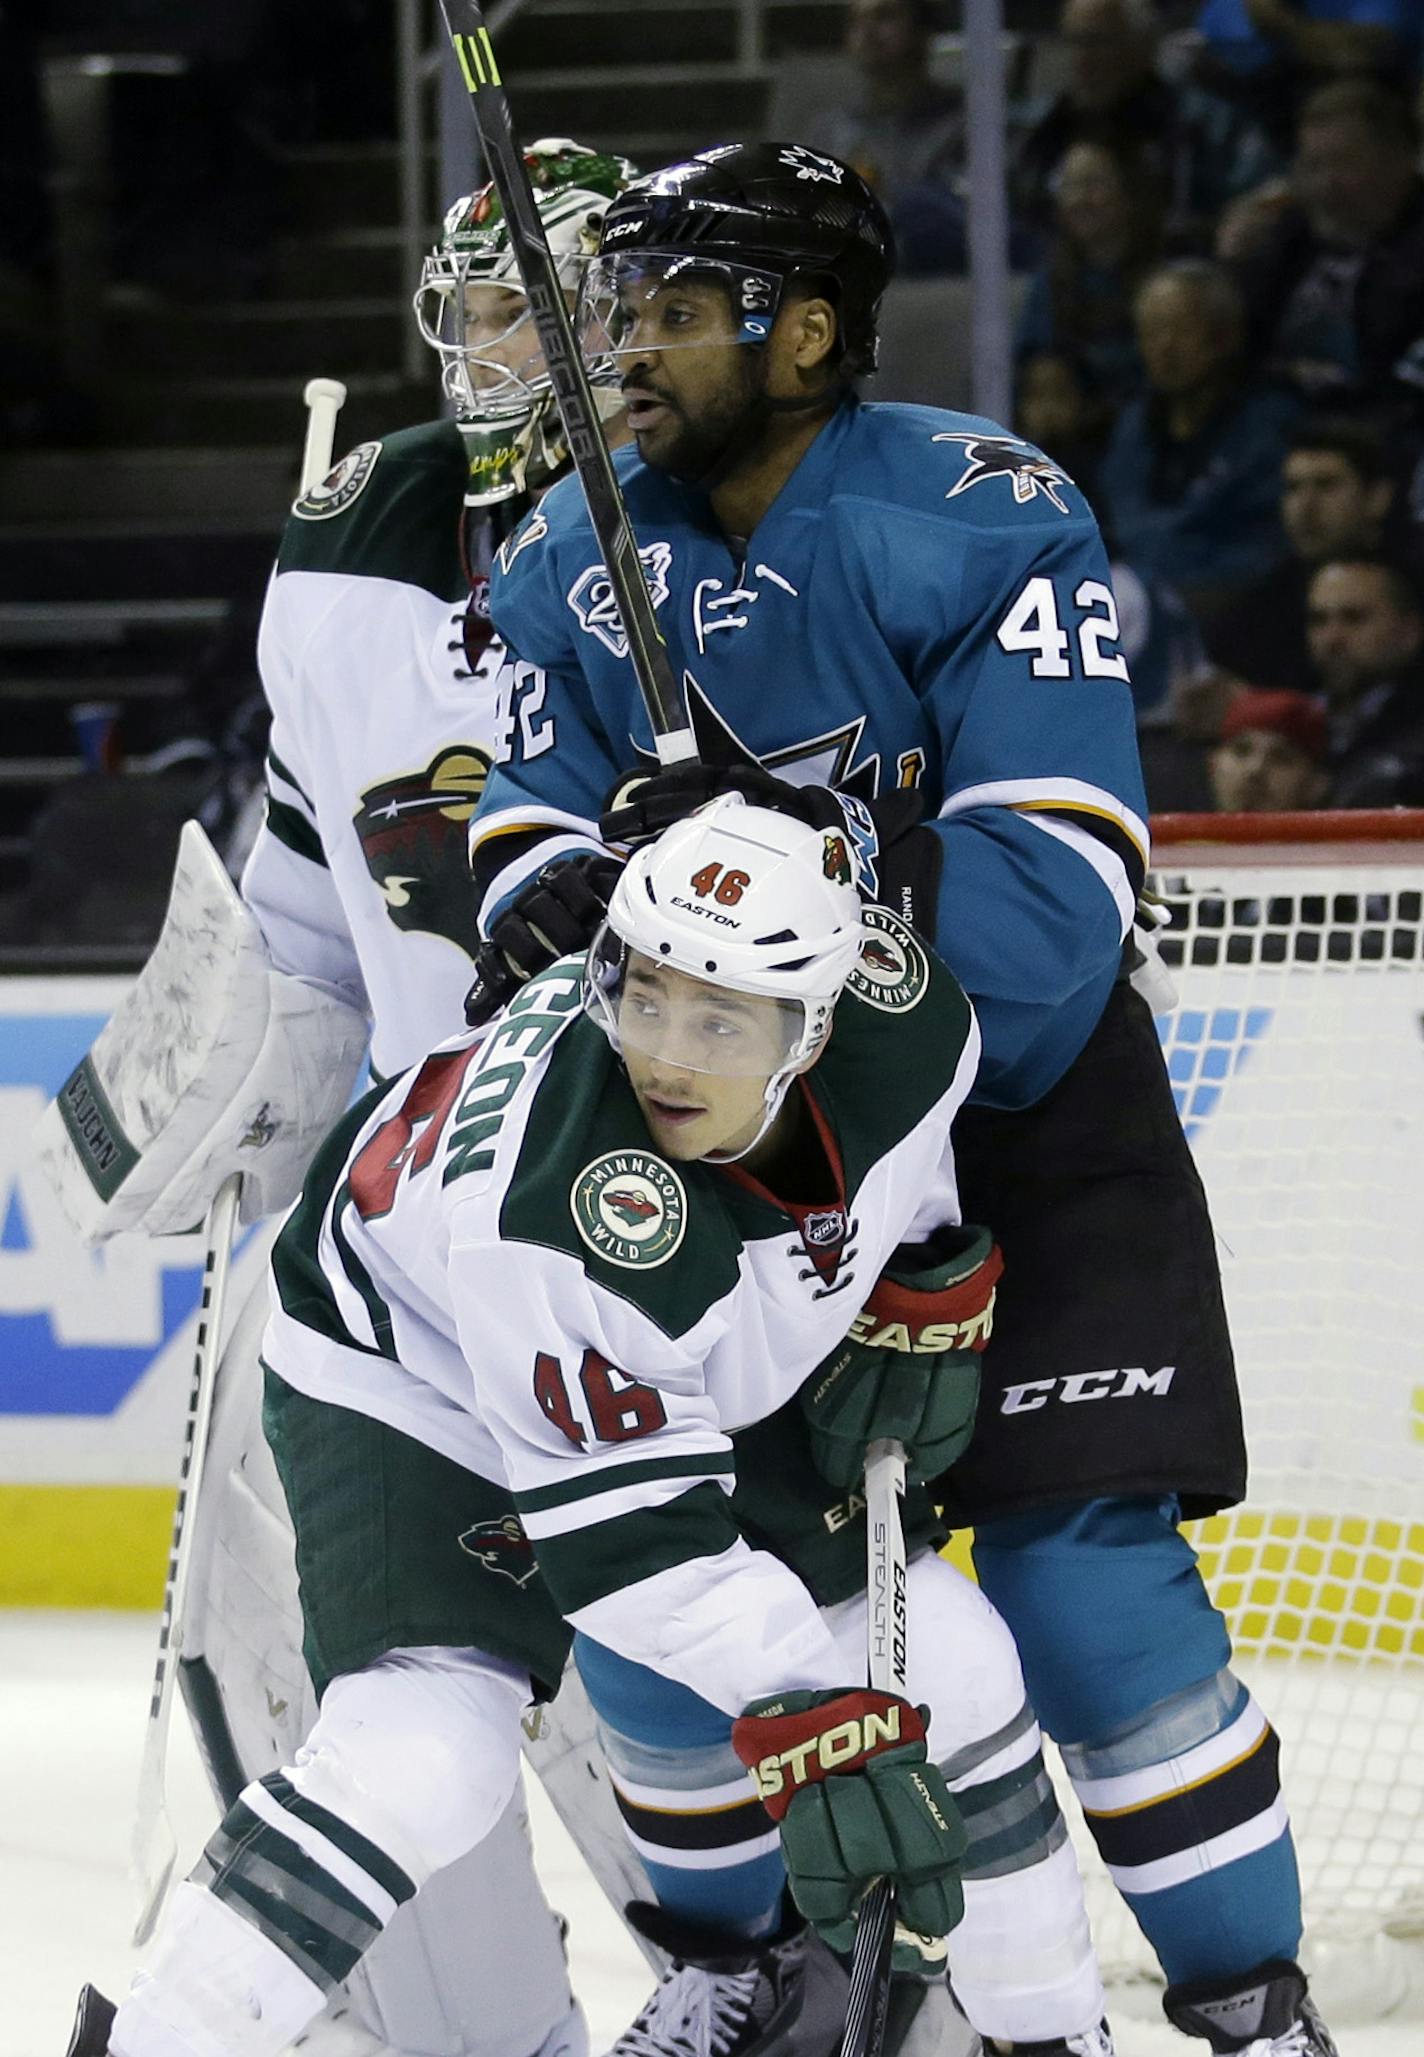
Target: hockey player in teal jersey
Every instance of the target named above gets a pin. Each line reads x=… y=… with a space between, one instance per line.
x=900 y=622
x=540 y=1356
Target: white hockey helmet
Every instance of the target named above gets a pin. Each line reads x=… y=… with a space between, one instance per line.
x=502 y=395
x=743 y=898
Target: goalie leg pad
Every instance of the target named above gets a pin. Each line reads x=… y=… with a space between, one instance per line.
x=213 y=1062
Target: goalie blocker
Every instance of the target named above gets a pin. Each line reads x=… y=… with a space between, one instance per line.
x=214 y=1062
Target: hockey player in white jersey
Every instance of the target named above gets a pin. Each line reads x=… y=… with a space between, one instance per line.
x=356 y=922
x=562 y=1330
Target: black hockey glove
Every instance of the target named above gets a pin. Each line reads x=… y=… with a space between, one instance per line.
x=558 y=911
x=894 y=858
x=641 y=804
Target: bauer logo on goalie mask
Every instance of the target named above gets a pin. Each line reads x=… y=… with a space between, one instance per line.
x=892 y=972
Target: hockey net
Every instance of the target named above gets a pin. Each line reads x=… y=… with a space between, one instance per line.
x=1297 y=1058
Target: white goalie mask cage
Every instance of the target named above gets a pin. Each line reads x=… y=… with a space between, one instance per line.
x=572 y=190
x=747 y=900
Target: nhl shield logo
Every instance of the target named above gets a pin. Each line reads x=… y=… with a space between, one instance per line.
x=893 y=972
x=630 y=1208
x=501 y=1546
x=340 y=486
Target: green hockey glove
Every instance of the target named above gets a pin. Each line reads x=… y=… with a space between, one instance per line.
x=910 y=1366
x=845 y=1777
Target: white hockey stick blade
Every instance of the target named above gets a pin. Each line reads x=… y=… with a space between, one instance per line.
x=154 y=1850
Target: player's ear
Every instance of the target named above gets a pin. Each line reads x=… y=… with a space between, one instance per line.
x=815 y=332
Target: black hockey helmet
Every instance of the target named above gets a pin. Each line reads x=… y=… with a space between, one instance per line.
x=775 y=207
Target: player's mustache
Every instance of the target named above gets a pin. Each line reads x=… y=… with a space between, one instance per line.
x=643 y=389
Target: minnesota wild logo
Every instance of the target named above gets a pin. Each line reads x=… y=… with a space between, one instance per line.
x=893 y=971
x=835 y=860
x=412 y=830
x=630 y=1207
x=340 y=486
x=502 y=1546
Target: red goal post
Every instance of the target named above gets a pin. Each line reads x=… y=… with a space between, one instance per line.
x=1296 y=1050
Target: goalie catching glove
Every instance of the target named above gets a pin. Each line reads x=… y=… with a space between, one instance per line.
x=909 y=1369
x=846 y=1778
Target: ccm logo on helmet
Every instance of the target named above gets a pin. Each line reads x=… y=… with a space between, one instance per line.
x=804 y=1763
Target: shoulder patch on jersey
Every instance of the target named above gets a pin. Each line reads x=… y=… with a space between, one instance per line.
x=892 y=972
x=591 y=596
x=631 y=1208
x=341 y=485
x=1026 y=469
x=412 y=830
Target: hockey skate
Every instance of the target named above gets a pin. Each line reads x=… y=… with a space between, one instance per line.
x=93 y=2019
x=727 y=1996
x=1267 y=2012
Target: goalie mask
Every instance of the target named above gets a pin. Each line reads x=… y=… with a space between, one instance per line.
x=742 y=905
x=472 y=310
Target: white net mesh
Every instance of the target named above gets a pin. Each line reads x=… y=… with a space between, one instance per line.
x=1297 y=1056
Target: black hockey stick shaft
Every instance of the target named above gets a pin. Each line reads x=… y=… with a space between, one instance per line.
x=886 y=1630
x=661 y=694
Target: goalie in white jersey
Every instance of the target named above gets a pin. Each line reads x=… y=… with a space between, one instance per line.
x=356 y=924
x=540 y=1358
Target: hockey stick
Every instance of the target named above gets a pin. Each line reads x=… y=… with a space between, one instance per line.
x=324 y=399
x=154 y=1848
x=661 y=694
x=868 y=2001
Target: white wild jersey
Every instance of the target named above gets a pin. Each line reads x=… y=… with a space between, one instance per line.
x=378 y=662
x=491 y=1257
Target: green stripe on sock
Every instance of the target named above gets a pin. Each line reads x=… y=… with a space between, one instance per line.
x=368 y=1855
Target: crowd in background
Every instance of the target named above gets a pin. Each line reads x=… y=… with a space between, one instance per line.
x=1217 y=227
x=1221 y=339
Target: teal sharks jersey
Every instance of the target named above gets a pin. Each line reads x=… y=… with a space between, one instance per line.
x=927 y=603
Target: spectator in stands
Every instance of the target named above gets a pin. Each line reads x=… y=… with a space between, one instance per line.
x=1336 y=495
x=1058 y=406
x=1366 y=635
x=902 y=131
x=1107 y=237
x=1335 y=284
x=1190 y=483
x=1204 y=149
x=1280 y=47
x=1271 y=754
